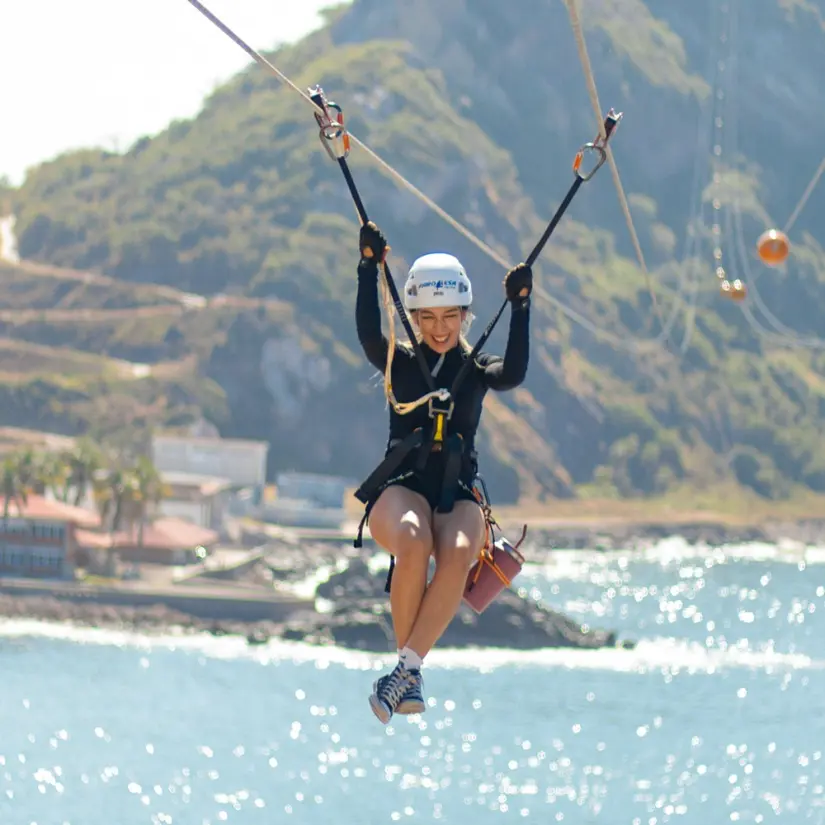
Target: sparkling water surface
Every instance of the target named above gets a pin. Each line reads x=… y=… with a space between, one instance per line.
x=717 y=716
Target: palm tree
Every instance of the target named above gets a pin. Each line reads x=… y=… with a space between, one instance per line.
x=102 y=495
x=84 y=460
x=148 y=491
x=13 y=490
x=125 y=492
x=118 y=482
x=20 y=478
x=52 y=474
x=111 y=490
x=27 y=467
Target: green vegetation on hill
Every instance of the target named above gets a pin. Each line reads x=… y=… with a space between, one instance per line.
x=483 y=114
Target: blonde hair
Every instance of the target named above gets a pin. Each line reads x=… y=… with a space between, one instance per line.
x=389 y=308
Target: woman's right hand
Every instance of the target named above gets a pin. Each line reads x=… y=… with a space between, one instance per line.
x=372 y=243
x=518 y=283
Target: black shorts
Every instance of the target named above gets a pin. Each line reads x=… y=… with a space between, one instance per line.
x=429 y=486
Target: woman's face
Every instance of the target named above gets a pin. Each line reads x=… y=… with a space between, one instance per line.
x=440 y=327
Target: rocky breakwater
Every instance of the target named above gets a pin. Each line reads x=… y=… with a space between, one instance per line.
x=621 y=534
x=359 y=618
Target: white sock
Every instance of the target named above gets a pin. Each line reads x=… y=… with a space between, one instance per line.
x=410 y=659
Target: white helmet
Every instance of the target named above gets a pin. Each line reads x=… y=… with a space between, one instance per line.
x=437 y=280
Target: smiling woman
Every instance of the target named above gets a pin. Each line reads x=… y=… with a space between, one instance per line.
x=440 y=328
x=422 y=504
x=438 y=295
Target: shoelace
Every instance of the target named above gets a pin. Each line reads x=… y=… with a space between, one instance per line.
x=395 y=687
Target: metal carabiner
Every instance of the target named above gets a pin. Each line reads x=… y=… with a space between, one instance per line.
x=598 y=146
x=333 y=134
x=589 y=147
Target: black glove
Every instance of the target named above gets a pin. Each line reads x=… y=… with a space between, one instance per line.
x=372 y=243
x=518 y=284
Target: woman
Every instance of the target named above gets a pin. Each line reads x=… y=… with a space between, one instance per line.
x=407 y=514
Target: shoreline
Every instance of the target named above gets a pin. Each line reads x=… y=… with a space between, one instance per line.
x=345 y=606
x=359 y=628
x=157 y=619
x=271 y=600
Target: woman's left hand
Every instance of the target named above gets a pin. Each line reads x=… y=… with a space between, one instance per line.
x=372 y=242
x=518 y=283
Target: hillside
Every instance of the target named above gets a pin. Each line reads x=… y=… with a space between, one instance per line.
x=225 y=247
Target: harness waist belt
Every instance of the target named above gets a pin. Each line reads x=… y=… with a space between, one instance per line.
x=387 y=468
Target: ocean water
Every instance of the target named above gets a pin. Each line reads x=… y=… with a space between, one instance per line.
x=717 y=716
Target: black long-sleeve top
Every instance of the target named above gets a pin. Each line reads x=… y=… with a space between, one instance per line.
x=492 y=372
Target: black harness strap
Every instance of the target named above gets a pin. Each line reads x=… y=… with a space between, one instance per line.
x=453 y=462
x=388 y=583
x=388 y=467
x=358 y=542
x=335 y=140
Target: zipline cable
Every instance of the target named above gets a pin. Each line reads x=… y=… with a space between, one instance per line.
x=631 y=344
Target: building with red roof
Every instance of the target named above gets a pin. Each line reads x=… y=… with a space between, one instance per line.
x=38 y=537
x=44 y=538
x=164 y=541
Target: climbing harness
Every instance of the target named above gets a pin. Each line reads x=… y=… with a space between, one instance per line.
x=441 y=403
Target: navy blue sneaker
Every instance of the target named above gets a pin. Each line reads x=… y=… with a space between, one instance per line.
x=397 y=692
x=413 y=699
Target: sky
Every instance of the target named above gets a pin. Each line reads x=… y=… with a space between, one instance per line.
x=79 y=73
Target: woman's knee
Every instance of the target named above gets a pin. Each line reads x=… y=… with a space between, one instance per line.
x=456 y=554
x=459 y=535
x=412 y=539
x=400 y=523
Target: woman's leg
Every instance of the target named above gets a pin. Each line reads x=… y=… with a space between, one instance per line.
x=401 y=522
x=459 y=535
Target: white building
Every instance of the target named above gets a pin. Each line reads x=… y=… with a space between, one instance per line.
x=321 y=490
x=202 y=500
x=308 y=500
x=242 y=462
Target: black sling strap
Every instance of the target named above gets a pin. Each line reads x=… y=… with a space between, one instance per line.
x=335 y=140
